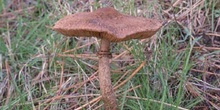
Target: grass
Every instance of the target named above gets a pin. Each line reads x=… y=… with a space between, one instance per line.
x=41 y=69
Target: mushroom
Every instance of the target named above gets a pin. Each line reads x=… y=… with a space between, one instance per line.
x=110 y=26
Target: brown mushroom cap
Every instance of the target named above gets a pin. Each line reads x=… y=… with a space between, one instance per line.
x=107 y=23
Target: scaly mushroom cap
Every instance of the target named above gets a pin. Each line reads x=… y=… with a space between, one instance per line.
x=107 y=23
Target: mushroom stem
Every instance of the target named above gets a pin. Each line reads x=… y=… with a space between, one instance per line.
x=108 y=95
